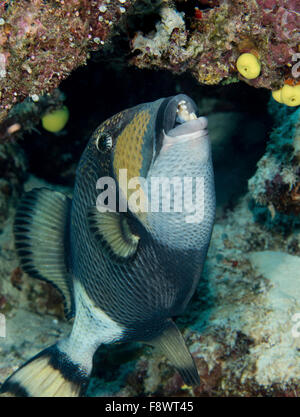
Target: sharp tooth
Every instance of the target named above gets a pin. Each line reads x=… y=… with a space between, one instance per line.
x=183 y=114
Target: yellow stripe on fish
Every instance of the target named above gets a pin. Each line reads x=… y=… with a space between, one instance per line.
x=129 y=145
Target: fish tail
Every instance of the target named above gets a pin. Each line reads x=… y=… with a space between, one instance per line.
x=50 y=373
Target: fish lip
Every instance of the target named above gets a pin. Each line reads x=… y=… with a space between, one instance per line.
x=189 y=129
x=188 y=136
x=169 y=141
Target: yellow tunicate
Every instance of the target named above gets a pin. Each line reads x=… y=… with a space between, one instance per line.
x=56 y=120
x=276 y=94
x=248 y=65
x=291 y=95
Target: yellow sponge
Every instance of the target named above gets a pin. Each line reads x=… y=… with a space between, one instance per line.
x=55 y=120
x=290 y=95
x=276 y=94
x=248 y=65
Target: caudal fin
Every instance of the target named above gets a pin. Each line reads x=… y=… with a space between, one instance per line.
x=49 y=374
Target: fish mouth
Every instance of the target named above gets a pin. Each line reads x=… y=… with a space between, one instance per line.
x=183 y=114
x=187 y=126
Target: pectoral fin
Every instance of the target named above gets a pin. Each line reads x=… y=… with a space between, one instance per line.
x=172 y=345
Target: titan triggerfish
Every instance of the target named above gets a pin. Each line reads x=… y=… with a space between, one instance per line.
x=125 y=262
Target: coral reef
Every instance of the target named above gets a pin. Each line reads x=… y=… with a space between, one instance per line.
x=42 y=42
x=208 y=42
x=276 y=183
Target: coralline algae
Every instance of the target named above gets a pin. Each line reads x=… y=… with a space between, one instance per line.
x=208 y=44
x=42 y=42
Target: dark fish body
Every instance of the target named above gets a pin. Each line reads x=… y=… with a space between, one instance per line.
x=154 y=286
x=124 y=274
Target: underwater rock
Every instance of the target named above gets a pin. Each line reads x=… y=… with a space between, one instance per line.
x=26 y=334
x=12 y=174
x=208 y=42
x=42 y=42
x=276 y=183
x=278 y=363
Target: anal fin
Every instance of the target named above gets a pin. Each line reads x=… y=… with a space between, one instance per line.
x=172 y=344
x=40 y=230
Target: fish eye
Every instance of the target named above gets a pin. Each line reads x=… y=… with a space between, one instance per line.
x=104 y=142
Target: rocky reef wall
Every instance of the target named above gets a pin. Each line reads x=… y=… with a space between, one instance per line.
x=276 y=184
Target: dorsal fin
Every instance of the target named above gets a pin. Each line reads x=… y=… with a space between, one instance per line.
x=40 y=229
x=114 y=233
